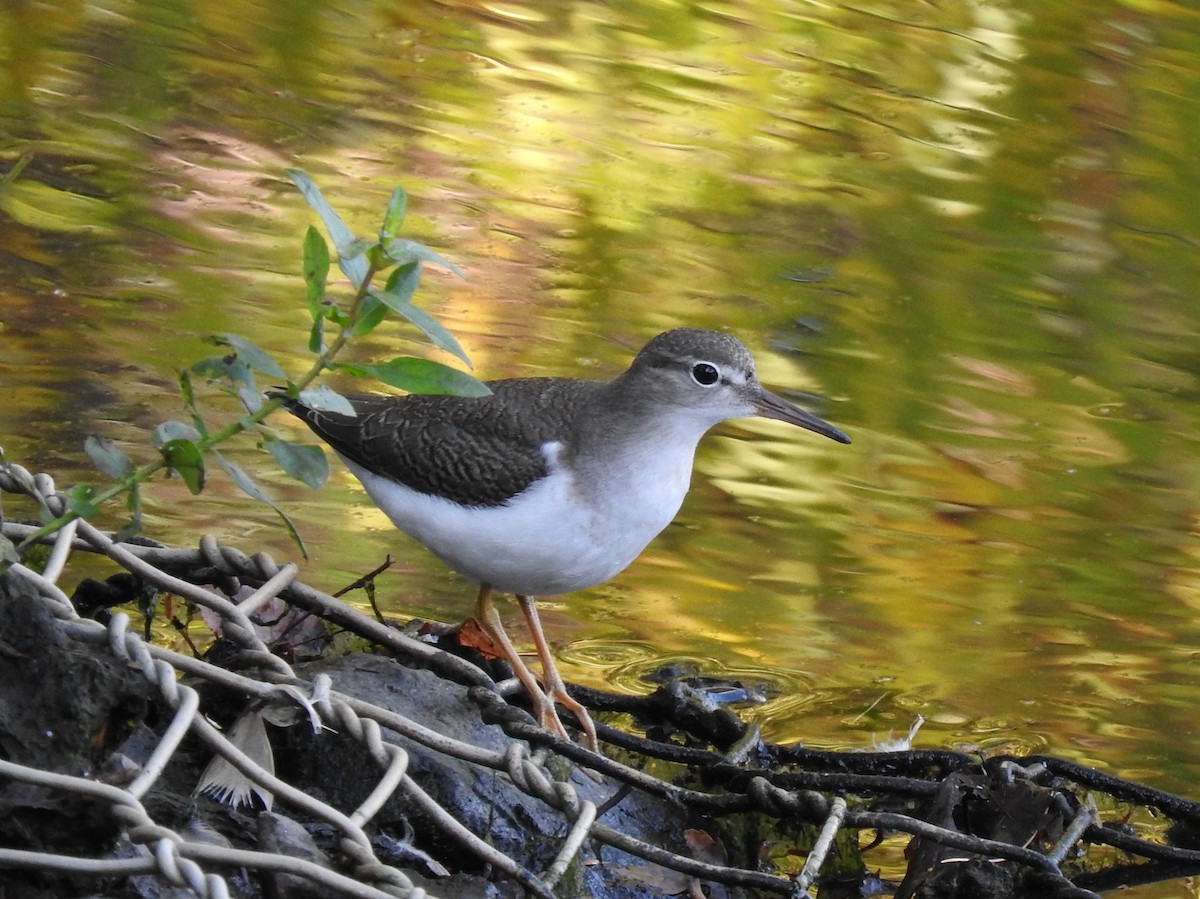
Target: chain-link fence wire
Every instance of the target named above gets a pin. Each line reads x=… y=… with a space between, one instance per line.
x=835 y=793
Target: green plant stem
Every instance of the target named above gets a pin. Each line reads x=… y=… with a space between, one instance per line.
x=209 y=441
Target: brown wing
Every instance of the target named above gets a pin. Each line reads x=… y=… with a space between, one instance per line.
x=478 y=451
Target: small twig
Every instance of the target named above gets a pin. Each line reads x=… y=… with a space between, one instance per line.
x=1086 y=817
x=820 y=849
x=19 y=166
x=366 y=578
x=868 y=709
x=367 y=584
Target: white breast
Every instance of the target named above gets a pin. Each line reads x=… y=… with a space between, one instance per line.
x=561 y=535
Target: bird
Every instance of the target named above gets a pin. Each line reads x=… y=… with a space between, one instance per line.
x=550 y=485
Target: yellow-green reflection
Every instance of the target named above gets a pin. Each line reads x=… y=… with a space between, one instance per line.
x=966 y=228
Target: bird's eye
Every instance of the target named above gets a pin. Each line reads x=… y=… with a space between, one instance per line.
x=705 y=374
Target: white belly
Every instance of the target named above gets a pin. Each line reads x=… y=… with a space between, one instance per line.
x=552 y=539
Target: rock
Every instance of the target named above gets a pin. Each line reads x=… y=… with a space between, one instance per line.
x=485 y=801
x=280 y=834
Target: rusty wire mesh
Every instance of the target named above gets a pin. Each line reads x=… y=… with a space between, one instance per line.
x=828 y=795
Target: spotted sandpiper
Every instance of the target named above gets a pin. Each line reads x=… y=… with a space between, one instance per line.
x=550 y=485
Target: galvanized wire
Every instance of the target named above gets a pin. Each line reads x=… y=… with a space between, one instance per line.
x=789 y=792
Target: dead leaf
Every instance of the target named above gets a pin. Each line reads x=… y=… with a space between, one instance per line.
x=705 y=848
x=472 y=636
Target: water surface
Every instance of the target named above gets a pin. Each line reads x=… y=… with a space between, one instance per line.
x=964 y=233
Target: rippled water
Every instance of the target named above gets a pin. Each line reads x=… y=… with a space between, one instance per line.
x=965 y=233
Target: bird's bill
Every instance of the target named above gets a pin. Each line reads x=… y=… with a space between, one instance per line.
x=768 y=405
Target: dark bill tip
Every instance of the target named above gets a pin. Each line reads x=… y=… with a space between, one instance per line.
x=771 y=406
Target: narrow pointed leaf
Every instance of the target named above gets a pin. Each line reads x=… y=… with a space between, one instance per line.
x=352 y=264
x=393 y=218
x=172 y=430
x=8 y=552
x=251 y=489
x=316 y=337
x=251 y=398
x=338 y=232
x=316 y=268
x=239 y=374
x=243 y=480
x=370 y=313
x=255 y=357
x=403 y=251
x=107 y=456
x=358 y=248
x=326 y=400
x=305 y=463
x=420 y=376
x=79 y=500
x=189 y=401
x=185 y=388
x=404 y=280
x=400 y=287
x=185 y=460
x=217 y=368
x=252 y=355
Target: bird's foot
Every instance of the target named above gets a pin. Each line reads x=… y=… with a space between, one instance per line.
x=556 y=691
x=546 y=713
x=552 y=689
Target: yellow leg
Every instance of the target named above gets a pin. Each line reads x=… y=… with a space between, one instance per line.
x=556 y=690
x=489 y=620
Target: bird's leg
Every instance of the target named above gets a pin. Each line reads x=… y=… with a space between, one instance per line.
x=556 y=690
x=489 y=620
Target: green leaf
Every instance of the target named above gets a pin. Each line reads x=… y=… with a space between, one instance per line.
x=185 y=460
x=243 y=480
x=188 y=392
x=252 y=355
x=316 y=337
x=316 y=268
x=358 y=248
x=337 y=316
x=252 y=490
x=108 y=457
x=305 y=463
x=323 y=399
x=235 y=370
x=173 y=430
x=351 y=263
x=420 y=376
x=79 y=500
x=397 y=301
x=8 y=552
x=393 y=218
x=404 y=280
x=186 y=389
x=370 y=313
x=404 y=251
x=378 y=258
x=217 y=368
